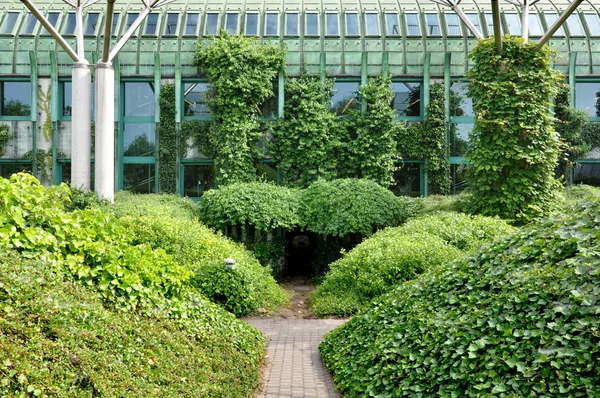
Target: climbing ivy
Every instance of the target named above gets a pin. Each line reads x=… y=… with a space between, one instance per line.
x=167 y=136
x=241 y=72
x=4 y=136
x=513 y=147
x=303 y=140
x=427 y=141
x=44 y=104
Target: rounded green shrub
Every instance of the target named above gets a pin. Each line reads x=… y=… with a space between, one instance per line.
x=352 y=206
x=519 y=319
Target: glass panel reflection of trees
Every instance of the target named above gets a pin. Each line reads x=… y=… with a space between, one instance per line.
x=195 y=99
x=407 y=101
x=139 y=178
x=139 y=139
x=407 y=180
x=345 y=97
x=197 y=179
x=16 y=98
x=587 y=97
x=459 y=138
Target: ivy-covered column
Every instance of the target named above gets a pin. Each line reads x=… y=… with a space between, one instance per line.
x=514 y=148
x=167 y=135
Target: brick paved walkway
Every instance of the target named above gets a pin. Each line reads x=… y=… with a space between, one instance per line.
x=294 y=367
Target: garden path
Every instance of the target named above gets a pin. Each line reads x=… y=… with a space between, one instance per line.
x=293 y=365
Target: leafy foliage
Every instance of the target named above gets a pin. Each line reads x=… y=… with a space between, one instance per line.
x=240 y=71
x=167 y=136
x=263 y=205
x=352 y=206
x=518 y=319
x=514 y=149
x=4 y=137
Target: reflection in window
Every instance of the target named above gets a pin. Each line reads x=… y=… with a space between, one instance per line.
x=191 y=24
x=231 y=22
x=574 y=25
x=474 y=18
x=372 y=20
x=535 y=28
x=115 y=23
x=407 y=180
x=345 y=97
x=139 y=178
x=291 y=23
x=16 y=98
x=391 y=24
x=352 y=24
x=331 y=24
x=90 y=25
x=171 y=24
x=9 y=23
x=407 y=99
x=69 y=28
x=29 y=24
x=251 y=23
x=138 y=139
x=460 y=103
x=458 y=178
x=587 y=98
x=593 y=23
x=459 y=138
x=513 y=23
x=131 y=17
x=270 y=107
x=271 y=24
x=197 y=179
x=195 y=99
x=412 y=24
x=212 y=23
x=151 y=24
x=67 y=99
x=453 y=24
x=139 y=99
x=312 y=23
x=551 y=18
x=7 y=169
x=52 y=18
x=433 y=24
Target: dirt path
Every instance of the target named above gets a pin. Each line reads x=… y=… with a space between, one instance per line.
x=298 y=290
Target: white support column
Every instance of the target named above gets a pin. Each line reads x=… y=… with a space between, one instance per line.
x=105 y=134
x=81 y=136
x=525 y=21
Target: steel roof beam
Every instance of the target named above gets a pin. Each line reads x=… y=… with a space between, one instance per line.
x=454 y=5
x=558 y=23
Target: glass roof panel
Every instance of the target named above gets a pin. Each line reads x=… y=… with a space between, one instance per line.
x=331 y=24
x=251 y=24
x=352 y=28
x=231 y=22
x=453 y=24
x=372 y=19
x=412 y=24
x=191 y=23
x=212 y=23
x=9 y=23
x=312 y=23
x=391 y=24
x=52 y=18
x=593 y=24
x=171 y=24
x=291 y=23
x=551 y=18
x=574 y=24
x=513 y=23
x=474 y=18
x=29 y=25
x=433 y=24
x=272 y=24
x=69 y=28
x=90 y=24
x=535 y=28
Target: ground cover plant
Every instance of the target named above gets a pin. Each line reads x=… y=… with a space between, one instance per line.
x=170 y=223
x=395 y=255
x=520 y=318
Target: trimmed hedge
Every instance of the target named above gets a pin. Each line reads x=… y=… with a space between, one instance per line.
x=518 y=319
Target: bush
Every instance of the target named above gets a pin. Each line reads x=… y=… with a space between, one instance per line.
x=435 y=203
x=575 y=193
x=245 y=290
x=59 y=340
x=263 y=205
x=518 y=319
x=167 y=205
x=352 y=206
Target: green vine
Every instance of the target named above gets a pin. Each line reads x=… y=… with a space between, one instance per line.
x=4 y=137
x=241 y=72
x=513 y=147
x=44 y=99
x=167 y=135
x=43 y=161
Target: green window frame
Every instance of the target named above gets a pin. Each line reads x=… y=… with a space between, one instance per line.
x=183 y=103
x=405 y=117
x=3 y=83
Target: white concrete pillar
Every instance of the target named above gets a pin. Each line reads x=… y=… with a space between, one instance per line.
x=81 y=126
x=105 y=134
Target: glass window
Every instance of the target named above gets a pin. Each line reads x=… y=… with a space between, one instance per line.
x=131 y=17
x=138 y=139
x=251 y=23
x=90 y=24
x=345 y=97
x=460 y=103
x=535 y=28
x=67 y=98
x=269 y=108
x=513 y=23
x=474 y=18
x=587 y=98
x=29 y=25
x=16 y=98
x=352 y=28
x=291 y=23
x=194 y=99
x=407 y=180
x=52 y=18
x=551 y=18
x=391 y=24
x=574 y=24
x=312 y=23
x=8 y=26
x=271 y=24
x=593 y=23
x=453 y=24
x=139 y=99
x=332 y=24
x=197 y=179
x=490 y=22
x=372 y=20
x=412 y=24
x=191 y=24
x=115 y=24
x=212 y=23
x=151 y=24
x=69 y=28
x=433 y=24
x=139 y=178
x=231 y=22
x=459 y=138
x=407 y=99
x=171 y=24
